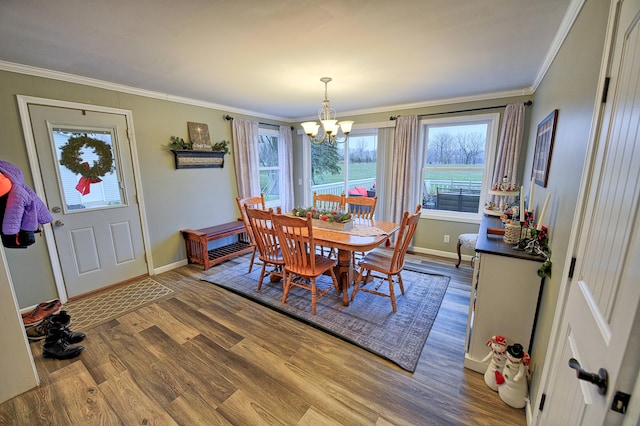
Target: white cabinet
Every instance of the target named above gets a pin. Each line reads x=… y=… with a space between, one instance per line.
x=504 y=297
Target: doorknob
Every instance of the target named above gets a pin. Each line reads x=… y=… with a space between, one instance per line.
x=58 y=223
x=601 y=379
x=56 y=209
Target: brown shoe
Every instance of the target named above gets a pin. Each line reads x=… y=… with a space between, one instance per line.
x=40 y=312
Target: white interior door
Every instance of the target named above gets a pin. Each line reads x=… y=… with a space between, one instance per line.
x=604 y=294
x=97 y=225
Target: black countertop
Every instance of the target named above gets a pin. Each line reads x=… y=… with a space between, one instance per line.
x=494 y=244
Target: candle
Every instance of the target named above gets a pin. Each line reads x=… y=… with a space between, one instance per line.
x=521 y=212
x=544 y=209
x=533 y=182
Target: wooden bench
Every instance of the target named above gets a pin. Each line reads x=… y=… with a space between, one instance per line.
x=197 y=242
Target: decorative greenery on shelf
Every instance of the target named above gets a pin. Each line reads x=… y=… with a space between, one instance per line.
x=325 y=215
x=222 y=146
x=178 y=143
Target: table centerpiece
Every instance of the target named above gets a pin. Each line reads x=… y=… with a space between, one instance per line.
x=330 y=219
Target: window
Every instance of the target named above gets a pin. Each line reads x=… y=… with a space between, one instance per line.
x=460 y=154
x=348 y=168
x=82 y=193
x=268 y=146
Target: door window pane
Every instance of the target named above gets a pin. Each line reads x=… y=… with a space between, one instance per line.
x=80 y=149
x=327 y=169
x=363 y=155
x=333 y=172
x=268 y=146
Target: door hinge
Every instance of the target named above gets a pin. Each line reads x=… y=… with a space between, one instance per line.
x=572 y=267
x=605 y=90
x=542 y=400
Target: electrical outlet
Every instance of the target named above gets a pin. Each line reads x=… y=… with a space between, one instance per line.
x=446 y=239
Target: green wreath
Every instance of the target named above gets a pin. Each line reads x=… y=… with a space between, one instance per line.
x=71 y=159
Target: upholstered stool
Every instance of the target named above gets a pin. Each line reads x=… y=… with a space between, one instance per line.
x=467 y=240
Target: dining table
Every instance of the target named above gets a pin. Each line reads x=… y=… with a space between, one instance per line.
x=365 y=235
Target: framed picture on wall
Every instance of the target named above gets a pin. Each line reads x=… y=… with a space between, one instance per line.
x=544 y=146
x=199 y=135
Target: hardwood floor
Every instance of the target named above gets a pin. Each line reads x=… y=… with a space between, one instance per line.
x=209 y=357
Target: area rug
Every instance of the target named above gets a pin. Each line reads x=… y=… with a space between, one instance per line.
x=368 y=321
x=105 y=306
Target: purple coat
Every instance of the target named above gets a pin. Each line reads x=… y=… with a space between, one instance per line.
x=25 y=210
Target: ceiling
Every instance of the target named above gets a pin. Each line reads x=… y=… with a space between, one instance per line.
x=266 y=57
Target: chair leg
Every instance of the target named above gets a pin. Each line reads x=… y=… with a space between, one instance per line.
x=336 y=285
x=400 y=283
x=314 y=296
x=392 y=294
x=356 y=285
x=459 y=256
x=287 y=285
x=262 y=273
x=253 y=256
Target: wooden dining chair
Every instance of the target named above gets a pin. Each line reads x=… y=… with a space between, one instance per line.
x=328 y=202
x=253 y=202
x=363 y=208
x=379 y=265
x=302 y=266
x=266 y=242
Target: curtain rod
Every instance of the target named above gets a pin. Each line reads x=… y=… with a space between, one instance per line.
x=528 y=103
x=230 y=118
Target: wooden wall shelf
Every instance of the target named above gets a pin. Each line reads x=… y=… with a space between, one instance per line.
x=192 y=159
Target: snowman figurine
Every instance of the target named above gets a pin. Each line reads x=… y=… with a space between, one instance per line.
x=498 y=345
x=514 y=390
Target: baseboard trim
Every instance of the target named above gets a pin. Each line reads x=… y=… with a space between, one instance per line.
x=170 y=266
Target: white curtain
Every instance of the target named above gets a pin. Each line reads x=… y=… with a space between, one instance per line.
x=285 y=160
x=384 y=165
x=406 y=168
x=510 y=143
x=245 y=156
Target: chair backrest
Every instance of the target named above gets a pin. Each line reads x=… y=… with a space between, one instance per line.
x=329 y=201
x=254 y=203
x=295 y=235
x=264 y=233
x=405 y=235
x=362 y=207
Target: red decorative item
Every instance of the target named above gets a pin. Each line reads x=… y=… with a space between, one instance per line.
x=84 y=184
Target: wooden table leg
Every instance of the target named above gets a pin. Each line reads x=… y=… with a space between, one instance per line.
x=344 y=274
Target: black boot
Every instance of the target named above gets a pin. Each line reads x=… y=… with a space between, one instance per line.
x=72 y=336
x=60 y=320
x=57 y=346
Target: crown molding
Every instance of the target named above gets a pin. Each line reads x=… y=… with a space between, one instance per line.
x=527 y=91
x=565 y=26
x=92 y=82
x=72 y=78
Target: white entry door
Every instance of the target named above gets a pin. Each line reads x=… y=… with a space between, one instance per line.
x=87 y=174
x=604 y=293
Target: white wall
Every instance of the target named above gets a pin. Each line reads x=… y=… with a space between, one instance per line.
x=17 y=370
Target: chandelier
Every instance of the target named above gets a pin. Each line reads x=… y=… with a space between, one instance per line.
x=330 y=125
